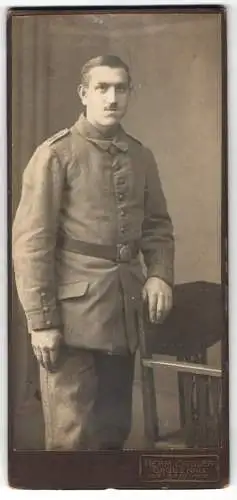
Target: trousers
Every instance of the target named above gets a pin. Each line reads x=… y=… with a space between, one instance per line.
x=87 y=400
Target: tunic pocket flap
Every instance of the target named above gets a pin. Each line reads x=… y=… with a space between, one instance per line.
x=72 y=290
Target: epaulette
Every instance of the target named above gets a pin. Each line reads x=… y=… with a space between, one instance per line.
x=134 y=139
x=57 y=136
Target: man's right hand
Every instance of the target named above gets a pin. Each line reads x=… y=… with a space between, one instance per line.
x=46 y=345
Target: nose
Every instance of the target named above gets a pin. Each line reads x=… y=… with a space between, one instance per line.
x=111 y=95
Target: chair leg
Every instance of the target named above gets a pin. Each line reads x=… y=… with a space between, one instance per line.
x=215 y=396
x=202 y=403
x=202 y=432
x=149 y=406
x=189 y=434
x=186 y=410
x=181 y=395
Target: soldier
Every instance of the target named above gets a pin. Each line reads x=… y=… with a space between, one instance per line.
x=91 y=202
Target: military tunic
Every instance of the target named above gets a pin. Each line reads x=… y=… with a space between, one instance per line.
x=97 y=189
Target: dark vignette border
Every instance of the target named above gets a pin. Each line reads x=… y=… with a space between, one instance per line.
x=107 y=469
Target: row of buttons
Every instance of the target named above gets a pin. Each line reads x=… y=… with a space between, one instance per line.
x=122 y=212
x=121 y=198
x=120 y=183
x=45 y=307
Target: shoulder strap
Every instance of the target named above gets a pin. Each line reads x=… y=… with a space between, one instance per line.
x=59 y=135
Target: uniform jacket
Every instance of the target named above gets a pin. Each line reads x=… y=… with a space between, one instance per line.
x=99 y=190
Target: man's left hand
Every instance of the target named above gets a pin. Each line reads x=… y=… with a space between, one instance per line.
x=158 y=296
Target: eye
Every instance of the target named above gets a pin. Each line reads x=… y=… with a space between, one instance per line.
x=102 y=87
x=121 y=88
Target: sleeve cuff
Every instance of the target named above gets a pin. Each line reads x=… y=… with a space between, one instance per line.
x=43 y=319
x=166 y=274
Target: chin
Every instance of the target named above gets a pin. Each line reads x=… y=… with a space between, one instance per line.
x=110 y=121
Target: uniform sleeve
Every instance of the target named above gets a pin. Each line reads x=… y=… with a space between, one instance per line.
x=34 y=238
x=157 y=231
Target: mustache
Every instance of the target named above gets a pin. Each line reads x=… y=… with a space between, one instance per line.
x=114 y=107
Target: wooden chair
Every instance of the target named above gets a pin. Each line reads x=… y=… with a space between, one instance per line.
x=195 y=324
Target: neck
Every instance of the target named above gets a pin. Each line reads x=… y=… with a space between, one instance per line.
x=107 y=132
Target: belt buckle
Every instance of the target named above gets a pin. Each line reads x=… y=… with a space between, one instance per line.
x=124 y=253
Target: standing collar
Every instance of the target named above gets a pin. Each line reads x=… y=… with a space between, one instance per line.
x=92 y=134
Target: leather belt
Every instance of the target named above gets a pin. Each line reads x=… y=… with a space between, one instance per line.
x=118 y=253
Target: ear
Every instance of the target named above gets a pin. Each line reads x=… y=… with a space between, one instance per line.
x=82 y=92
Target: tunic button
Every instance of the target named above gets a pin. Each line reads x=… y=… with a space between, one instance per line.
x=116 y=165
x=48 y=322
x=43 y=294
x=46 y=309
x=122 y=212
x=122 y=229
x=121 y=196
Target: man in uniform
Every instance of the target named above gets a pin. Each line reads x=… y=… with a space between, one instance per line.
x=91 y=202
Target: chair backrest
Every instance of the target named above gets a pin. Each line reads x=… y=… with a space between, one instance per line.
x=195 y=323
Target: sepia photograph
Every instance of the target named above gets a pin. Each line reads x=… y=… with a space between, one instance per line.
x=118 y=329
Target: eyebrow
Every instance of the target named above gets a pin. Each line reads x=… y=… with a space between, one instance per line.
x=107 y=84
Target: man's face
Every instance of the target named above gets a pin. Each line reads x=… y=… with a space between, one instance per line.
x=106 y=96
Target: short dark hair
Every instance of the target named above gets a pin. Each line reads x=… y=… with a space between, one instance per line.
x=106 y=60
